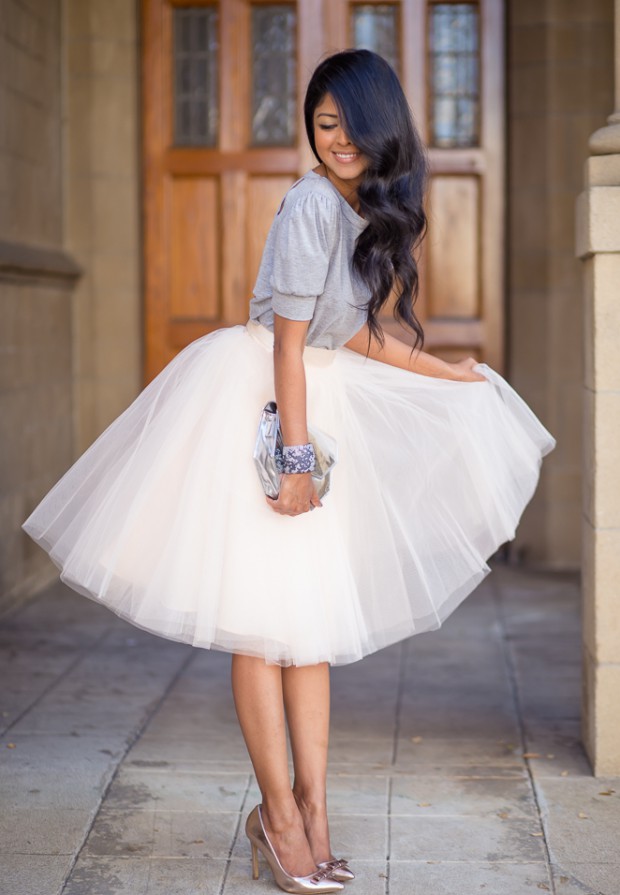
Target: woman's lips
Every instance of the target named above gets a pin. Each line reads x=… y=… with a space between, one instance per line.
x=347 y=157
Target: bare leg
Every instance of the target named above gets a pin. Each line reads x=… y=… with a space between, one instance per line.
x=306 y=698
x=257 y=691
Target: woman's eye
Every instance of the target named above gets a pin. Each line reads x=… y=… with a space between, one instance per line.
x=327 y=127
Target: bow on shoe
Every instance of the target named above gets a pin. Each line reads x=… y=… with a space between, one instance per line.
x=338 y=869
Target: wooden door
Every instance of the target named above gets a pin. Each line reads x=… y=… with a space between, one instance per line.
x=223 y=87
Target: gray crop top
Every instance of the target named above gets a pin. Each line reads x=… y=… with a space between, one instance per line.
x=305 y=271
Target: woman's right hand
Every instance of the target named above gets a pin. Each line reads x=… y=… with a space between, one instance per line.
x=297 y=495
x=464 y=370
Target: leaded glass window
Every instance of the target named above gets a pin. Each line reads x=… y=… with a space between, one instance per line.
x=454 y=74
x=196 y=50
x=375 y=27
x=274 y=75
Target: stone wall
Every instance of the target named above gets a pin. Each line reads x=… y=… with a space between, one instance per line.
x=102 y=195
x=36 y=281
x=70 y=327
x=560 y=77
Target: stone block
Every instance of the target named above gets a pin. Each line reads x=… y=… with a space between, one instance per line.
x=157 y=833
x=115 y=213
x=191 y=717
x=581 y=824
x=606 y=470
x=561 y=235
x=601 y=322
x=26 y=29
x=57 y=772
x=46 y=831
x=357 y=794
x=465 y=839
x=601 y=715
x=555 y=748
x=601 y=586
x=570 y=878
x=528 y=44
x=88 y=58
x=602 y=170
x=598 y=221
x=527 y=88
x=351 y=834
x=114 y=19
x=79 y=218
x=491 y=755
x=527 y=165
x=173 y=790
x=468 y=877
x=24 y=874
x=114 y=127
x=78 y=133
x=81 y=714
x=157 y=876
x=225 y=752
x=606 y=139
x=446 y=796
x=116 y=333
x=578 y=11
x=362 y=753
x=77 y=20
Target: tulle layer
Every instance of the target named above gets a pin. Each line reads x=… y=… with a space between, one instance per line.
x=164 y=521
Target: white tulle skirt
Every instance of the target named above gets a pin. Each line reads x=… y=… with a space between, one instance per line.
x=164 y=521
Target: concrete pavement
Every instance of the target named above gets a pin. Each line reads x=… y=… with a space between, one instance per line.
x=456 y=766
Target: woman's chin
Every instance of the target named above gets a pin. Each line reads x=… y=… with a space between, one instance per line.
x=346 y=170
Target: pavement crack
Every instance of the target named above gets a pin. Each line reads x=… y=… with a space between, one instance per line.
x=84 y=653
x=242 y=810
x=400 y=690
x=389 y=838
x=155 y=706
x=511 y=674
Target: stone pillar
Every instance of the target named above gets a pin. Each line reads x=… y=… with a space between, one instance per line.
x=598 y=246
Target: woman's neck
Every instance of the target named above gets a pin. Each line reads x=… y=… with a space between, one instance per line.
x=346 y=188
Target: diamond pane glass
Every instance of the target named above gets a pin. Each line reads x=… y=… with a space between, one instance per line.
x=195 y=63
x=375 y=27
x=274 y=75
x=454 y=74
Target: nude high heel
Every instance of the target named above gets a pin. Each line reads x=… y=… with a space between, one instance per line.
x=320 y=881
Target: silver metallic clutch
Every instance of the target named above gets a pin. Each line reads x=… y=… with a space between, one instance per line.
x=268 y=453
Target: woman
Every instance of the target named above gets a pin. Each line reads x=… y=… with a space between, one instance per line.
x=163 y=518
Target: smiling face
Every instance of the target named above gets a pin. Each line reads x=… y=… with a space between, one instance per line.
x=345 y=164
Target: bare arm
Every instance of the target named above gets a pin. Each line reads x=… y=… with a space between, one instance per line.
x=297 y=492
x=399 y=354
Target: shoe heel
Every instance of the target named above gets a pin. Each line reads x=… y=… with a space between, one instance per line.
x=254 y=861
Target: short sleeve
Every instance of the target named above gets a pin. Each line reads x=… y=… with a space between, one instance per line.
x=306 y=234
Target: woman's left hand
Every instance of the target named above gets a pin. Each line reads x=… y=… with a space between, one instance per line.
x=464 y=370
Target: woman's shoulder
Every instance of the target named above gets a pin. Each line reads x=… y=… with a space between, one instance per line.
x=312 y=195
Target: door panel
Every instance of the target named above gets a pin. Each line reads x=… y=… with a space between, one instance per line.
x=452 y=248
x=224 y=138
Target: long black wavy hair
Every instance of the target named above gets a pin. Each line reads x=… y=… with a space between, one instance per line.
x=377 y=119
